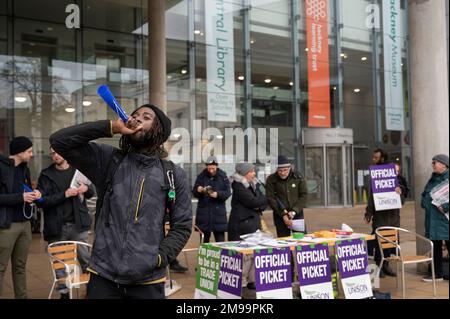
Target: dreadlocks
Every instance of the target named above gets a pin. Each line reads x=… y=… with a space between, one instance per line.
x=151 y=143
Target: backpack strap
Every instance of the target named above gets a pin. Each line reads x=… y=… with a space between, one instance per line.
x=116 y=159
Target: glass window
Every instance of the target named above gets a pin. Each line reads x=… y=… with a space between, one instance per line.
x=3 y=6
x=334 y=176
x=44 y=10
x=314 y=170
x=207 y=73
x=43 y=89
x=272 y=68
x=114 y=16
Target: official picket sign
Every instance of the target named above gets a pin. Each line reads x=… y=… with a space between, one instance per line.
x=230 y=276
x=353 y=268
x=384 y=181
x=273 y=274
x=314 y=272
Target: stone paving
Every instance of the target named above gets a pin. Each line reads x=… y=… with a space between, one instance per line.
x=40 y=277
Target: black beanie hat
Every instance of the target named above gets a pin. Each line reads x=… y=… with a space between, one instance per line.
x=165 y=121
x=19 y=144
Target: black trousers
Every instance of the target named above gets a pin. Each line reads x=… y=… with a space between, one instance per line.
x=219 y=236
x=101 y=288
x=437 y=257
x=282 y=229
x=374 y=250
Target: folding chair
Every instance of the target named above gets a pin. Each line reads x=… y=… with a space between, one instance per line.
x=64 y=256
x=387 y=237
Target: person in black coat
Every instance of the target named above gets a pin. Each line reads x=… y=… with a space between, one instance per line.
x=131 y=248
x=247 y=203
x=16 y=213
x=390 y=217
x=66 y=215
x=212 y=188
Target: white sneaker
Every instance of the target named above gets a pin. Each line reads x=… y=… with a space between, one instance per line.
x=430 y=279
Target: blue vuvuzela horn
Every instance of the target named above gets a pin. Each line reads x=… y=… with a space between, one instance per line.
x=107 y=96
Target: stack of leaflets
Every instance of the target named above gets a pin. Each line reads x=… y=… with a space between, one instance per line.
x=78 y=179
x=439 y=195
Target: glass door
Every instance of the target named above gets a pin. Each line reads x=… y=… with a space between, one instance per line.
x=314 y=169
x=334 y=176
x=348 y=175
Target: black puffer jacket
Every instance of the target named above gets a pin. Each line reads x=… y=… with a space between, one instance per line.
x=54 y=197
x=247 y=205
x=130 y=248
x=211 y=212
x=8 y=199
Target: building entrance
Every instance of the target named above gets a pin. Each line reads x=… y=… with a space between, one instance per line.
x=328 y=155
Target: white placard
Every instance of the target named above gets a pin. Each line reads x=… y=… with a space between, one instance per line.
x=360 y=178
x=385 y=201
x=357 y=287
x=283 y=293
x=298 y=225
x=318 y=291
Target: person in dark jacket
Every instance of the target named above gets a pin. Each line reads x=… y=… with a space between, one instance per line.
x=286 y=193
x=212 y=188
x=436 y=215
x=247 y=206
x=130 y=252
x=15 y=213
x=390 y=217
x=402 y=180
x=66 y=215
x=247 y=203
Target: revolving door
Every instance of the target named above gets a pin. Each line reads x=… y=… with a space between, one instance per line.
x=328 y=155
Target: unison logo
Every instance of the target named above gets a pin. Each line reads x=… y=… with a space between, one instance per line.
x=356 y=288
x=316 y=295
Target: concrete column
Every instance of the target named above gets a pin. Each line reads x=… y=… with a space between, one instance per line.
x=429 y=93
x=157 y=52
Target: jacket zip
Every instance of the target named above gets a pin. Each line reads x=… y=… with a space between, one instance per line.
x=125 y=235
x=139 y=201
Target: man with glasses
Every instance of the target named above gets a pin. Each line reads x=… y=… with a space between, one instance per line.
x=286 y=193
x=66 y=215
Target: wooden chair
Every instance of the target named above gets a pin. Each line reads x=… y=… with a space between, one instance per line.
x=63 y=256
x=388 y=237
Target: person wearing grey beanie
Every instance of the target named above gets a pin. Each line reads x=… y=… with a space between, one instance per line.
x=441 y=158
x=247 y=206
x=243 y=168
x=436 y=213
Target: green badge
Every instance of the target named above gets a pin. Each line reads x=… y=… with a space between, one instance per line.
x=171 y=194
